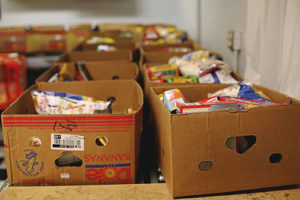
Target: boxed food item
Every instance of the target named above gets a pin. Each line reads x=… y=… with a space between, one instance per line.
x=109 y=70
x=197 y=153
x=12 y=39
x=73 y=56
x=74 y=149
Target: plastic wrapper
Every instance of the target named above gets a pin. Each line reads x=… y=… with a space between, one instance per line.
x=106 y=48
x=202 y=67
x=96 y=39
x=247 y=92
x=52 y=102
x=162 y=71
x=218 y=76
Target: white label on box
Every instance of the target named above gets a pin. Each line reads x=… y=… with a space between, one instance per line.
x=67 y=142
x=65 y=175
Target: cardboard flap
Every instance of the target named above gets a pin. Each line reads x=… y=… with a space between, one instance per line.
x=96 y=56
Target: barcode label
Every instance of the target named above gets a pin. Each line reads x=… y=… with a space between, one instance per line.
x=67 y=142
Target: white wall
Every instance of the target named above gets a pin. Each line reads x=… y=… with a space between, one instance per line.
x=217 y=18
x=178 y=12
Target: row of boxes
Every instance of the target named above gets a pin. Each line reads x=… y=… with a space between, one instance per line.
x=193 y=154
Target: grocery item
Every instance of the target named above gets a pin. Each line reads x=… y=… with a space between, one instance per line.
x=96 y=39
x=52 y=102
x=82 y=73
x=217 y=76
x=248 y=103
x=242 y=90
x=171 y=98
x=247 y=92
x=182 y=79
x=63 y=73
x=186 y=108
x=126 y=35
x=107 y=48
x=162 y=71
x=175 y=49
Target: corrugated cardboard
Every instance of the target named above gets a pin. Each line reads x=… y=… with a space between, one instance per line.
x=76 y=34
x=108 y=70
x=186 y=140
x=131 y=191
x=149 y=53
x=12 y=39
x=114 y=163
x=118 y=45
x=46 y=38
x=96 y=56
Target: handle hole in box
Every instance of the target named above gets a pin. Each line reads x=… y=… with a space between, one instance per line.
x=240 y=144
x=101 y=141
x=275 y=158
x=68 y=159
x=205 y=165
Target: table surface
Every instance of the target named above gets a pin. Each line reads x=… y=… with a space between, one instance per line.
x=133 y=191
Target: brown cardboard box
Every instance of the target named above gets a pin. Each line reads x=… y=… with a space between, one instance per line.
x=190 y=142
x=130 y=191
x=125 y=55
x=76 y=34
x=147 y=83
x=109 y=27
x=108 y=70
x=149 y=53
x=12 y=39
x=46 y=38
x=35 y=163
x=114 y=35
x=93 y=47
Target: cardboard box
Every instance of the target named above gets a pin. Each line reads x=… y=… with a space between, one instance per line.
x=124 y=55
x=114 y=35
x=46 y=38
x=195 y=160
x=149 y=53
x=76 y=34
x=93 y=47
x=130 y=191
x=35 y=163
x=109 y=27
x=147 y=83
x=12 y=39
x=109 y=70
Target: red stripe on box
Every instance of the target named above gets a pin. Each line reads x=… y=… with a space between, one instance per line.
x=77 y=122
x=36 y=125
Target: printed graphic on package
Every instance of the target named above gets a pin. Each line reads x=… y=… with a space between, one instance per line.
x=31 y=165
